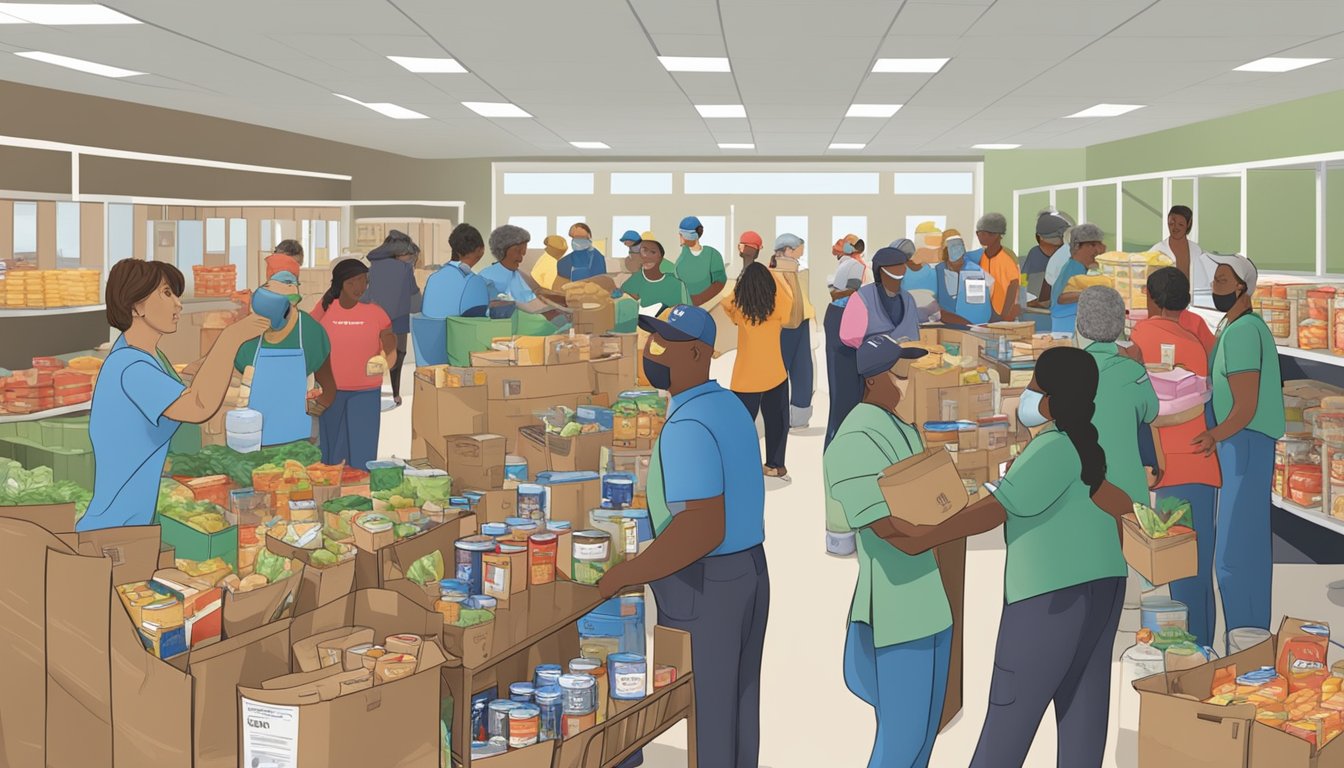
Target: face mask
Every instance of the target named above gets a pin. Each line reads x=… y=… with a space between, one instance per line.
x=1029 y=409
x=659 y=375
x=893 y=276
x=295 y=298
x=849 y=249
x=956 y=251
x=689 y=234
x=1223 y=302
x=581 y=244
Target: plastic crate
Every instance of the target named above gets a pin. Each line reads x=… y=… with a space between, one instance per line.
x=191 y=544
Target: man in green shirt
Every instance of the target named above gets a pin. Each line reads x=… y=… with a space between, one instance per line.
x=699 y=267
x=655 y=286
x=1247 y=409
x=900 y=632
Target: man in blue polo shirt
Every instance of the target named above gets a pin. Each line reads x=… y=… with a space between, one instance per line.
x=707 y=561
x=456 y=290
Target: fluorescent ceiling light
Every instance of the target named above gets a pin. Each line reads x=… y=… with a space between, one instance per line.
x=872 y=110
x=721 y=110
x=81 y=65
x=388 y=110
x=840 y=145
x=908 y=66
x=589 y=145
x=430 y=66
x=495 y=109
x=1106 y=110
x=1278 y=64
x=694 y=64
x=737 y=146
x=996 y=146
x=57 y=15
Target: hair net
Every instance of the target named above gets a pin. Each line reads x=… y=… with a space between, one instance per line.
x=1101 y=314
x=992 y=222
x=1085 y=233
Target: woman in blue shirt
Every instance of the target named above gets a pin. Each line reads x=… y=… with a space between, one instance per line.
x=139 y=401
x=584 y=261
x=1085 y=245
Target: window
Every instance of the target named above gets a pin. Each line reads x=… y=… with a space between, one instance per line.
x=796 y=225
x=120 y=232
x=214 y=236
x=935 y=183
x=911 y=222
x=238 y=249
x=716 y=236
x=619 y=225
x=306 y=240
x=190 y=250
x=641 y=184
x=67 y=235
x=149 y=240
x=562 y=225
x=25 y=233
x=855 y=225
x=800 y=183
x=548 y=183
x=535 y=226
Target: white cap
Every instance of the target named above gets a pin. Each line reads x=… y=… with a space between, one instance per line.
x=1241 y=265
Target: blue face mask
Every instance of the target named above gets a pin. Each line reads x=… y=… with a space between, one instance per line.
x=690 y=234
x=849 y=248
x=956 y=251
x=1029 y=409
x=581 y=244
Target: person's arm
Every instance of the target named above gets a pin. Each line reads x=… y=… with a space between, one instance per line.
x=389 y=340
x=199 y=402
x=1245 y=399
x=1043 y=300
x=854 y=322
x=704 y=296
x=1115 y=503
x=693 y=533
x=951 y=318
x=984 y=515
x=327 y=381
x=718 y=278
x=1011 y=308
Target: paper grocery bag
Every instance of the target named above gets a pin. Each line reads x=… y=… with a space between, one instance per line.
x=246 y=611
x=925 y=489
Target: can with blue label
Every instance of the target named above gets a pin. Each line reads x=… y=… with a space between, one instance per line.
x=468 y=552
x=618 y=489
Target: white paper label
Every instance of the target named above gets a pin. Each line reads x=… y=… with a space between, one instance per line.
x=975 y=291
x=1168 y=354
x=629 y=684
x=270 y=735
x=591 y=552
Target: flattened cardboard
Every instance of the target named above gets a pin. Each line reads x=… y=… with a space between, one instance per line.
x=924 y=489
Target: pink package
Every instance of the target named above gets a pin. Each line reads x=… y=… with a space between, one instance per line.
x=1170 y=385
x=1181 y=404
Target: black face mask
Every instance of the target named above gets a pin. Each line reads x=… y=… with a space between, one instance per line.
x=659 y=375
x=1225 y=301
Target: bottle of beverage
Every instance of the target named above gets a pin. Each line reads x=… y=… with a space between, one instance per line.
x=1137 y=662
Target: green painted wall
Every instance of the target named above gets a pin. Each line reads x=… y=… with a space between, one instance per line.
x=1281 y=204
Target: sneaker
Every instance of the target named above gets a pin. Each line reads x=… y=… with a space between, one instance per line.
x=799 y=417
x=780 y=472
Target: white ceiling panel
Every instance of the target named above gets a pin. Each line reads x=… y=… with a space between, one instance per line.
x=587 y=69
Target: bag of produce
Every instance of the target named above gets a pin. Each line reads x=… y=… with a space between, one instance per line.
x=427 y=570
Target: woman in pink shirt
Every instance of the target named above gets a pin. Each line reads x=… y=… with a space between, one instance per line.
x=348 y=429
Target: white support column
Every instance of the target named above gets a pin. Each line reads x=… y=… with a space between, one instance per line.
x=1081 y=213
x=1166 y=203
x=74 y=176
x=1322 y=179
x=1119 y=215
x=1245 y=208
x=1016 y=223
x=1194 y=203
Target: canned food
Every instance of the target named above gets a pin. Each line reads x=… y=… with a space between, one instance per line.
x=591 y=554
x=532 y=501
x=547 y=674
x=579 y=694
x=628 y=673
x=552 y=713
x=542 y=549
x=522 y=692
x=497 y=718
x=468 y=553
x=524 y=724
x=663 y=676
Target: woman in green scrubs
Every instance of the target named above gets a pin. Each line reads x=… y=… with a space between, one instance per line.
x=1064 y=581
x=900 y=624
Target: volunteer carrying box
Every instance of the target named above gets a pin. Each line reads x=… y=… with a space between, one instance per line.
x=924 y=489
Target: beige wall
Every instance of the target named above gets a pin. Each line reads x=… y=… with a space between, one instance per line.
x=886 y=211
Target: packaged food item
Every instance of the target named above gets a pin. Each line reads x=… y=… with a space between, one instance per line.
x=1304 y=486
x=591 y=555
x=1302 y=659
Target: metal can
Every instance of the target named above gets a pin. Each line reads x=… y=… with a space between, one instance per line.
x=495 y=530
x=481 y=603
x=497 y=718
x=618 y=489
x=524 y=725
x=579 y=694
x=515 y=469
x=629 y=674
x=547 y=674
x=522 y=692
x=542 y=549
x=520 y=528
x=551 y=711
x=532 y=501
x=591 y=554
x=480 y=721
x=663 y=676
x=468 y=553
x=598 y=671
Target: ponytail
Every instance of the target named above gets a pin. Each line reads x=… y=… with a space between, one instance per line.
x=340 y=272
x=1069 y=377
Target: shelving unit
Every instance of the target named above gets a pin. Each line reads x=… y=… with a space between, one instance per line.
x=10 y=418
x=1314 y=516
x=40 y=311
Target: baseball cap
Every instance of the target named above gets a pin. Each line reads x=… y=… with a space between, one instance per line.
x=788 y=240
x=281 y=262
x=647 y=236
x=683 y=323
x=690 y=222
x=631 y=236
x=1243 y=266
x=879 y=354
x=1052 y=225
x=751 y=238
x=899 y=252
x=993 y=223
x=286 y=277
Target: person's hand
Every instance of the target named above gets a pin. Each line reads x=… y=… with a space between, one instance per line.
x=247 y=329
x=613 y=582
x=1011 y=313
x=1205 y=443
x=893 y=526
x=316 y=407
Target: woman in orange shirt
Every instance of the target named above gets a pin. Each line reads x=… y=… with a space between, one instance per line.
x=758 y=307
x=1187 y=474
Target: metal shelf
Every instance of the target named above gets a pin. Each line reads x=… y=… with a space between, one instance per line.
x=40 y=311
x=67 y=410
x=1310 y=515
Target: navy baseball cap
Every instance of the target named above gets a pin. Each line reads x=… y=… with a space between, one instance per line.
x=880 y=354
x=631 y=236
x=683 y=323
x=899 y=252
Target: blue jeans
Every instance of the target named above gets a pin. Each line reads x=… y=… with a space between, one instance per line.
x=796 y=344
x=1196 y=592
x=842 y=372
x=1243 y=556
x=905 y=684
x=348 y=430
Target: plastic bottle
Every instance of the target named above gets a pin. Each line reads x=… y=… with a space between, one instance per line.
x=1138 y=661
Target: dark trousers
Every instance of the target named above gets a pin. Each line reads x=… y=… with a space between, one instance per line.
x=842 y=372
x=773 y=407
x=796 y=344
x=395 y=373
x=348 y=429
x=1053 y=647
x=724 y=603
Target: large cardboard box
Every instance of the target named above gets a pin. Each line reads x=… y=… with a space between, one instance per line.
x=393 y=724
x=506 y=417
x=246 y=611
x=1174 y=730
x=921 y=394
x=573 y=501
x=476 y=460
x=523 y=382
x=319 y=585
x=1160 y=561
x=923 y=489
x=496 y=505
x=393 y=561
x=436 y=413
x=561 y=454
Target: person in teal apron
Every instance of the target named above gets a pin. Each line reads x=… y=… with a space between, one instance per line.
x=140 y=401
x=963 y=287
x=706 y=564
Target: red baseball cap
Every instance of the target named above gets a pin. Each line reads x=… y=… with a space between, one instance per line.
x=751 y=238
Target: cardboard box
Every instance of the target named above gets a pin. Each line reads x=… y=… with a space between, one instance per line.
x=436 y=413
x=496 y=505
x=476 y=460
x=505 y=576
x=561 y=454
x=594 y=317
x=1019 y=331
x=506 y=417
x=1174 y=730
x=923 y=489
x=396 y=723
x=920 y=394
x=394 y=560
x=1161 y=561
x=528 y=382
x=573 y=501
x=320 y=585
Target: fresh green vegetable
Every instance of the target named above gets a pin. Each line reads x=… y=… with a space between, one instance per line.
x=470 y=617
x=1170 y=636
x=347 y=502
x=405 y=530
x=22 y=487
x=1157 y=523
x=323 y=557
x=271 y=565
x=427 y=570
x=223 y=460
x=425 y=488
